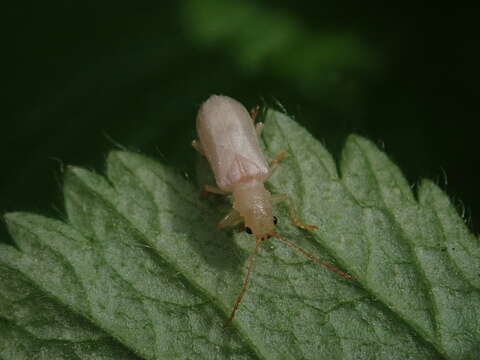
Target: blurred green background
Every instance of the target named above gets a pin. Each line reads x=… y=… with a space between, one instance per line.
x=82 y=76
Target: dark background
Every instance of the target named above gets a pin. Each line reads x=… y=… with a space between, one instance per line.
x=79 y=77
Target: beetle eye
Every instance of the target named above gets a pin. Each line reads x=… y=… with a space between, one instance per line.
x=275 y=220
x=248 y=230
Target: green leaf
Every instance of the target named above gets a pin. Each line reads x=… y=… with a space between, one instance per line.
x=139 y=267
x=35 y=326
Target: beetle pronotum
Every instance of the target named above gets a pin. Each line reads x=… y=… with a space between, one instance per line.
x=228 y=138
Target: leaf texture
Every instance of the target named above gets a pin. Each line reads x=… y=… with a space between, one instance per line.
x=138 y=268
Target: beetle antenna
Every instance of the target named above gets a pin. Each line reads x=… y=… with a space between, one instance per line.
x=313 y=258
x=251 y=264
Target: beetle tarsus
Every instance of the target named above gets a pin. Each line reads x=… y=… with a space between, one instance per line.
x=302 y=225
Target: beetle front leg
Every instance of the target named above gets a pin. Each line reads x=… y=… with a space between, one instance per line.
x=292 y=212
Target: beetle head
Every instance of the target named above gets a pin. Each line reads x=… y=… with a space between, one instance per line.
x=254 y=203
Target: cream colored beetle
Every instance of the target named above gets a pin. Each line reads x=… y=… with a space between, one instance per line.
x=228 y=139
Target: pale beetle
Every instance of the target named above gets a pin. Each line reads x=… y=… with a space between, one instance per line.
x=228 y=138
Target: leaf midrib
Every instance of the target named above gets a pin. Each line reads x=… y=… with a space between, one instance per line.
x=172 y=264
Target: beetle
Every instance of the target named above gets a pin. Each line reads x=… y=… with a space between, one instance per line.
x=228 y=138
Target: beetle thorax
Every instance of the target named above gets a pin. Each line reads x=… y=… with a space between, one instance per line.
x=254 y=203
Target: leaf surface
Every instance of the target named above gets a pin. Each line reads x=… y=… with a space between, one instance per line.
x=140 y=269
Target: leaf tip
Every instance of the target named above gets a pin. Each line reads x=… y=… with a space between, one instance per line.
x=116 y=155
x=73 y=170
x=427 y=183
x=16 y=219
x=123 y=157
x=12 y=218
x=428 y=189
x=353 y=143
x=276 y=116
x=359 y=140
x=74 y=174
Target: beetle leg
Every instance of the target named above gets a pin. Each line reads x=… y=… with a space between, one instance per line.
x=254 y=113
x=231 y=219
x=291 y=212
x=259 y=128
x=214 y=190
x=210 y=189
x=197 y=145
x=274 y=163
